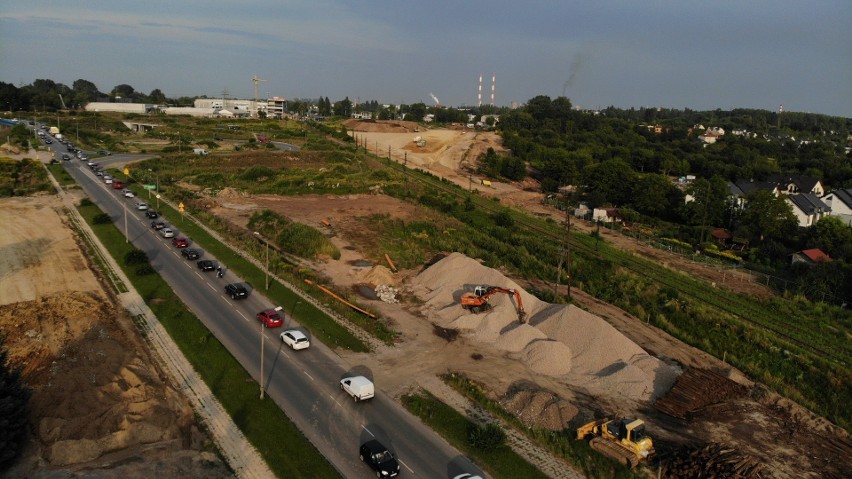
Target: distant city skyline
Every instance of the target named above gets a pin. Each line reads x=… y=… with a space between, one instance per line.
x=697 y=55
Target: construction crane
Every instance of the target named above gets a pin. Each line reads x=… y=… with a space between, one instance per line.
x=477 y=301
x=62 y=101
x=256 y=79
x=622 y=439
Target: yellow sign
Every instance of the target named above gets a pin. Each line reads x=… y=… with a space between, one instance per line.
x=127 y=171
x=180 y=207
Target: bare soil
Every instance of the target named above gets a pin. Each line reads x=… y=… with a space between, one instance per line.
x=100 y=404
x=810 y=447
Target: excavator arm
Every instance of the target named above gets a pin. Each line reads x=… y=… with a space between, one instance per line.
x=478 y=300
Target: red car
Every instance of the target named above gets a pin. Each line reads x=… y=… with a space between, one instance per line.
x=270 y=318
x=180 y=242
x=263 y=139
x=117 y=185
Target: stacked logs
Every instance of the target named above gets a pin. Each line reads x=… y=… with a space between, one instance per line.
x=712 y=461
x=696 y=389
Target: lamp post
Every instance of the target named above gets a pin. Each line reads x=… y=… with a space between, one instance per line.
x=262 y=337
x=267 y=257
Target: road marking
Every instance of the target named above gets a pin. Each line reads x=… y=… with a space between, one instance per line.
x=308 y=375
x=368 y=431
x=241 y=314
x=211 y=286
x=404 y=464
x=334 y=399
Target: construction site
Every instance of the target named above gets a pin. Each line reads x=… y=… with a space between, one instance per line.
x=637 y=394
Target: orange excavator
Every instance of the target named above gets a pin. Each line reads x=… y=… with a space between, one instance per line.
x=477 y=301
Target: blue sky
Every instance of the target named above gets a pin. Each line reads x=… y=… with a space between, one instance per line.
x=626 y=53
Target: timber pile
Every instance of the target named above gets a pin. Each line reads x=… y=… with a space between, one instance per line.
x=696 y=389
x=713 y=461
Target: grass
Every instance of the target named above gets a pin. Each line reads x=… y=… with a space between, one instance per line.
x=62 y=176
x=287 y=452
x=501 y=462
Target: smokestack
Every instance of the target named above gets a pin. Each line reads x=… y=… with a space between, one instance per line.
x=479 y=93
x=493 y=82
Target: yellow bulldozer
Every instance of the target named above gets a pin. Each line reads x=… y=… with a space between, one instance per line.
x=621 y=439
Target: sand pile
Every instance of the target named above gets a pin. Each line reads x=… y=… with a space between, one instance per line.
x=561 y=341
x=378 y=275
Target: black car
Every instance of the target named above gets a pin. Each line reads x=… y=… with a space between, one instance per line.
x=379 y=458
x=151 y=214
x=190 y=253
x=236 y=291
x=65 y=157
x=206 y=265
x=158 y=225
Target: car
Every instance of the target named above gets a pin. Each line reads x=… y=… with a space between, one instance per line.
x=141 y=206
x=104 y=152
x=270 y=318
x=117 y=185
x=151 y=214
x=71 y=149
x=180 y=242
x=206 y=265
x=158 y=225
x=100 y=173
x=47 y=141
x=295 y=339
x=467 y=475
x=379 y=458
x=91 y=164
x=128 y=193
x=65 y=157
x=190 y=253
x=263 y=139
x=236 y=291
x=167 y=233
x=108 y=179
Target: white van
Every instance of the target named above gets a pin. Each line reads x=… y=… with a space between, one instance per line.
x=200 y=151
x=359 y=387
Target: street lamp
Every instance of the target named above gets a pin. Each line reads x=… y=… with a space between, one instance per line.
x=262 y=337
x=267 y=257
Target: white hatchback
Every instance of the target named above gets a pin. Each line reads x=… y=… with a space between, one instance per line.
x=129 y=194
x=167 y=233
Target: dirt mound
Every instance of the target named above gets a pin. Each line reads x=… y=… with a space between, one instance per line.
x=379 y=275
x=536 y=407
x=580 y=348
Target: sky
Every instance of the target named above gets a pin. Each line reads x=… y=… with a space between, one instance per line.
x=701 y=55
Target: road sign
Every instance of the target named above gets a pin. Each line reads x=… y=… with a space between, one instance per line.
x=180 y=207
x=149 y=187
x=158 y=196
x=127 y=171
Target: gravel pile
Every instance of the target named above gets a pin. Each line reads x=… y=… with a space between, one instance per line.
x=561 y=341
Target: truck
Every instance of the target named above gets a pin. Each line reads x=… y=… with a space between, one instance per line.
x=359 y=387
x=200 y=151
x=59 y=137
x=54 y=130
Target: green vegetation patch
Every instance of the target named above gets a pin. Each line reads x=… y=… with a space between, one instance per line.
x=22 y=178
x=295 y=238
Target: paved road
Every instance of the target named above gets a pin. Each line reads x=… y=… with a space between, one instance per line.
x=303 y=383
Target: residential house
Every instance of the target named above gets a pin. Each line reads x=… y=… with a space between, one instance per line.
x=840 y=202
x=742 y=188
x=606 y=215
x=809 y=256
x=808 y=208
x=794 y=184
x=721 y=237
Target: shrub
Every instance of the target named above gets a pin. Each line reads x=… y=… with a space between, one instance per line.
x=144 y=270
x=134 y=257
x=101 y=219
x=486 y=438
x=85 y=202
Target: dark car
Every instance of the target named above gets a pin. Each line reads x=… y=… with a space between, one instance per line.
x=152 y=214
x=206 y=265
x=236 y=291
x=379 y=458
x=104 y=152
x=65 y=157
x=158 y=225
x=190 y=253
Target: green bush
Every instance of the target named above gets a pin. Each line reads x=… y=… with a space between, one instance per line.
x=101 y=219
x=85 y=202
x=135 y=256
x=486 y=438
x=144 y=270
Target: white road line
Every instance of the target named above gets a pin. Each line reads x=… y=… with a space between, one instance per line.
x=333 y=399
x=308 y=375
x=241 y=314
x=368 y=431
x=211 y=287
x=404 y=464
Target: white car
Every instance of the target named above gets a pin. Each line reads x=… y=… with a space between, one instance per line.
x=128 y=193
x=108 y=179
x=467 y=476
x=295 y=339
x=167 y=233
x=141 y=206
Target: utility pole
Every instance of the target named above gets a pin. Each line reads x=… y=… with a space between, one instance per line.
x=565 y=255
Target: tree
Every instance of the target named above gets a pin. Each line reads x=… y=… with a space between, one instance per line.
x=416 y=111
x=767 y=216
x=123 y=91
x=651 y=194
x=832 y=236
x=157 y=96
x=84 y=92
x=709 y=203
x=14 y=410
x=608 y=182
